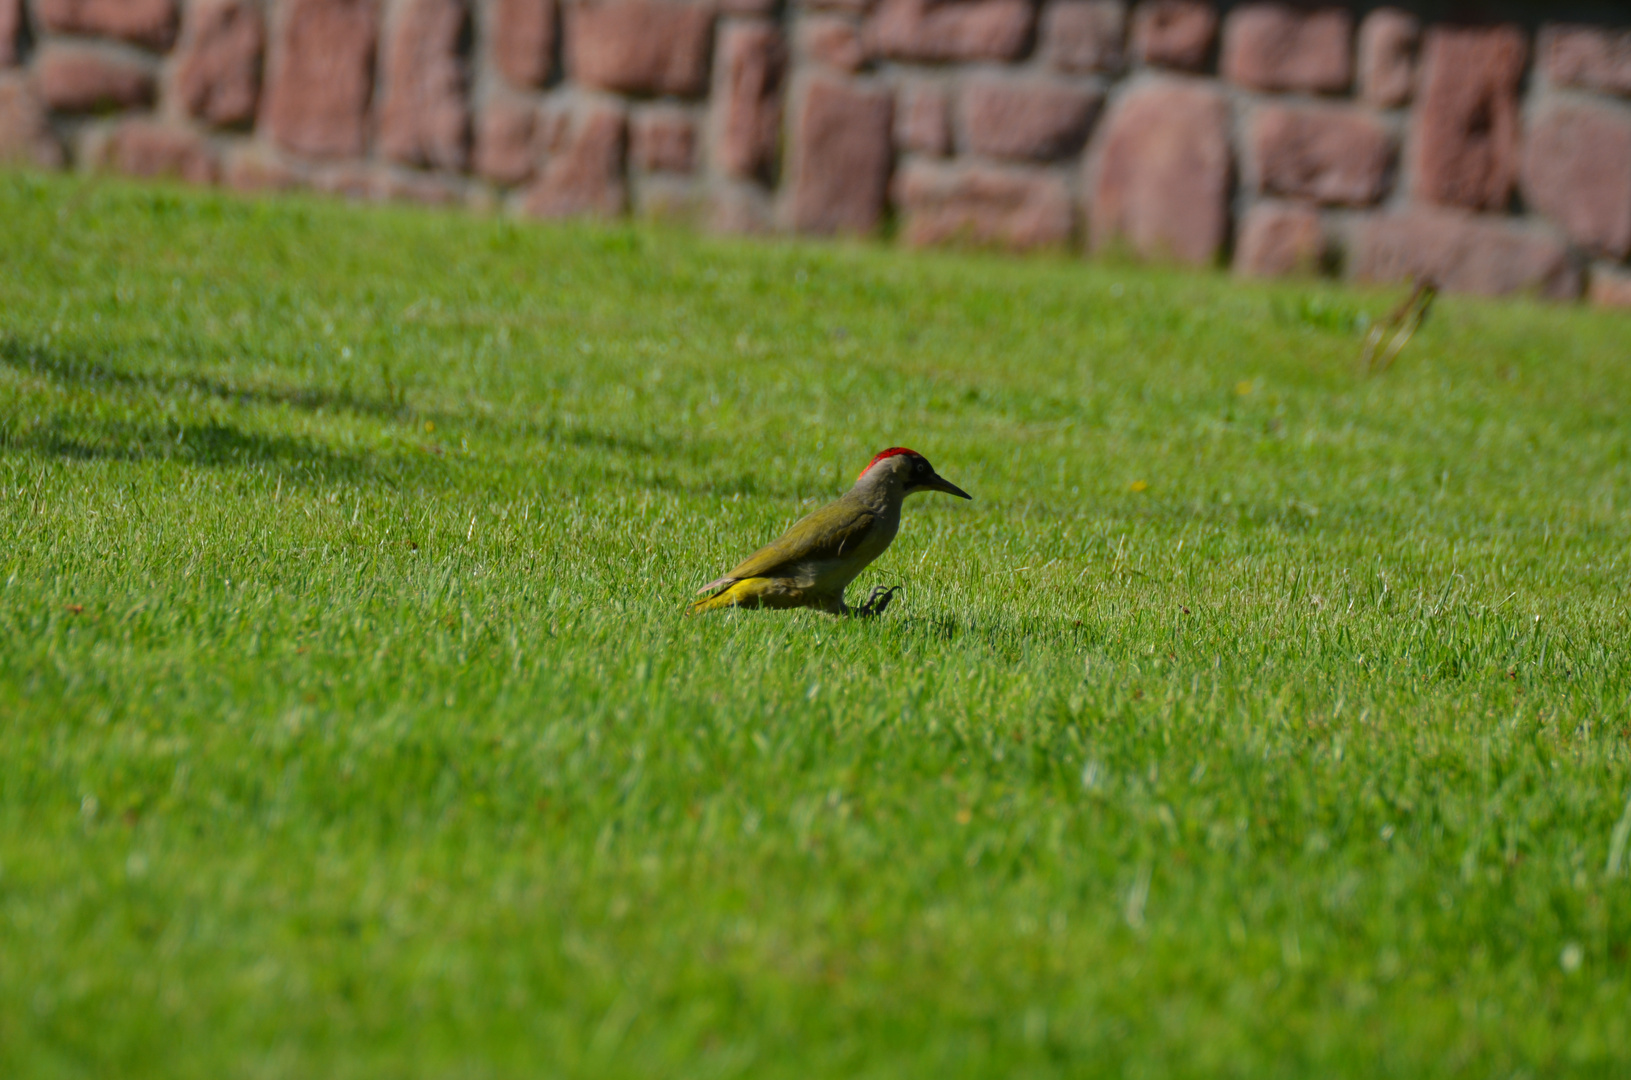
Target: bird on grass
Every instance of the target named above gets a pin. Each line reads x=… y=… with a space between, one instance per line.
x=814 y=562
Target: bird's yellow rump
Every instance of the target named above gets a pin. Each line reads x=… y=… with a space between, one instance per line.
x=749 y=593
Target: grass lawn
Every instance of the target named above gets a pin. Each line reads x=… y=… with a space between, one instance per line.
x=1257 y=719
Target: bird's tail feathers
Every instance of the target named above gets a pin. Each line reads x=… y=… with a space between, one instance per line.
x=714 y=584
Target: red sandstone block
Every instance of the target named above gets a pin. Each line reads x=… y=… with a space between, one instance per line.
x=25 y=129
x=1488 y=256
x=663 y=138
x=11 y=26
x=640 y=46
x=146 y=148
x=424 y=119
x=1003 y=206
x=832 y=40
x=1279 y=239
x=1610 y=286
x=1387 y=57
x=507 y=148
x=583 y=173
x=522 y=33
x=841 y=156
x=1590 y=57
x=1161 y=171
x=923 y=119
x=1464 y=137
x=748 y=8
x=950 y=30
x=1082 y=36
x=144 y=22
x=1577 y=171
x=1329 y=154
x=1026 y=118
x=85 y=78
x=1174 y=33
x=322 y=76
x=1277 y=46
x=218 y=63
x=747 y=99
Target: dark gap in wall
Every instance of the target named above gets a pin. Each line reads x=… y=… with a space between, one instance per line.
x=25 y=34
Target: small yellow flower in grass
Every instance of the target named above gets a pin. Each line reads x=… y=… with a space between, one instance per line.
x=964 y=816
x=1138 y=485
x=429 y=427
x=1245 y=386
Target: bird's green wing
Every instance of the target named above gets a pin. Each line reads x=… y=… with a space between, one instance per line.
x=831 y=532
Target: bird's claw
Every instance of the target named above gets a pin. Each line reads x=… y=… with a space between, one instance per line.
x=880 y=598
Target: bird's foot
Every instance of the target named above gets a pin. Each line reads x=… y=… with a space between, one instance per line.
x=880 y=598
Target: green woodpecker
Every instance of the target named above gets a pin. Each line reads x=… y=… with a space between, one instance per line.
x=820 y=555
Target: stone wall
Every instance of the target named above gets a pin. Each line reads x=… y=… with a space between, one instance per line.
x=1374 y=142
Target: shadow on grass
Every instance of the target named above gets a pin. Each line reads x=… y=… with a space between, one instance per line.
x=81 y=371
x=1000 y=631
x=210 y=444
x=744 y=484
x=662 y=462
x=98 y=432
x=647 y=459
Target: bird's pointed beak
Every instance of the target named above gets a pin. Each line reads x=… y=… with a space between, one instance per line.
x=940 y=483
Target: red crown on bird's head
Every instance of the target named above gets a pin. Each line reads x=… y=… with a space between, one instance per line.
x=893 y=451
